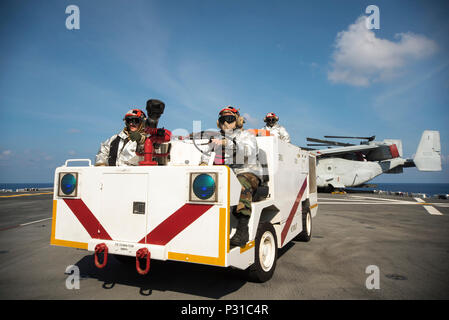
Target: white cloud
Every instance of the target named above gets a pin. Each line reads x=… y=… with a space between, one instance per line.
x=361 y=58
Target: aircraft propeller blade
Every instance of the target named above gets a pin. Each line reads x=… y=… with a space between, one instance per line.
x=332 y=143
x=307 y=149
x=345 y=137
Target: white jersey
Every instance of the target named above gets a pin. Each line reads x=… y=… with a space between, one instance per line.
x=278 y=131
x=125 y=152
x=240 y=153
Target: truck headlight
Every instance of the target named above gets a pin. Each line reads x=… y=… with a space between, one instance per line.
x=203 y=187
x=68 y=184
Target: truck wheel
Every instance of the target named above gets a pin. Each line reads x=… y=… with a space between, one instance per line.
x=266 y=253
x=306 y=233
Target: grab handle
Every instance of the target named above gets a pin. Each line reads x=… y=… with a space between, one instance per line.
x=78 y=160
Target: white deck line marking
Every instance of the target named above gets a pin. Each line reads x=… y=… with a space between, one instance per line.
x=430 y=209
x=378 y=203
x=25 y=195
x=380 y=199
x=37 y=221
x=347 y=200
x=361 y=199
x=353 y=203
x=373 y=200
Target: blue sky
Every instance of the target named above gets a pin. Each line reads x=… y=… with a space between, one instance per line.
x=63 y=92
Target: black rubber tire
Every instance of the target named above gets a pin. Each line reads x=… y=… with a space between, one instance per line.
x=305 y=234
x=256 y=272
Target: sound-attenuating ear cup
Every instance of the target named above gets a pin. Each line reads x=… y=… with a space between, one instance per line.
x=240 y=121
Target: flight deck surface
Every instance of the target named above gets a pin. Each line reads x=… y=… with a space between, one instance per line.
x=405 y=238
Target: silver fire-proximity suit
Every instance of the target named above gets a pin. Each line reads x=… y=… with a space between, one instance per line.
x=240 y=153
x=125 y=154
x=278 y=131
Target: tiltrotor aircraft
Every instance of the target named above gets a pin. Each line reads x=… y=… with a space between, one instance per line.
x=350 y=165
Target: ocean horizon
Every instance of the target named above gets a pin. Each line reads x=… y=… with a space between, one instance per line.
x=429 y=189
x=34 y=185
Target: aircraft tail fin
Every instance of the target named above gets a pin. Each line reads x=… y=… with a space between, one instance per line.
x=428 y=153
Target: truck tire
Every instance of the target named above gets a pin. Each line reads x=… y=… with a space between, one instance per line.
x=266 y=254
x=306 y=233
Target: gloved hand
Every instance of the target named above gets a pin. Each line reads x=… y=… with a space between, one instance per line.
x=160 y=132
x=135 y=136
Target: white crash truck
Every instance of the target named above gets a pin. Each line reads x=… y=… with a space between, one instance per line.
x=178 y=210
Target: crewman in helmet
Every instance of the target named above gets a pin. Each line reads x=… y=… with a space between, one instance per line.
x=120 y=149
x=238 y=149
x=275 y=128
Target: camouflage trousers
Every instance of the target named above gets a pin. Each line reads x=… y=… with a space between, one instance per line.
x=249 y=182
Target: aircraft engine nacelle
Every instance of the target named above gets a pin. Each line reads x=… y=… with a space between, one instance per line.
x=384 y=152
